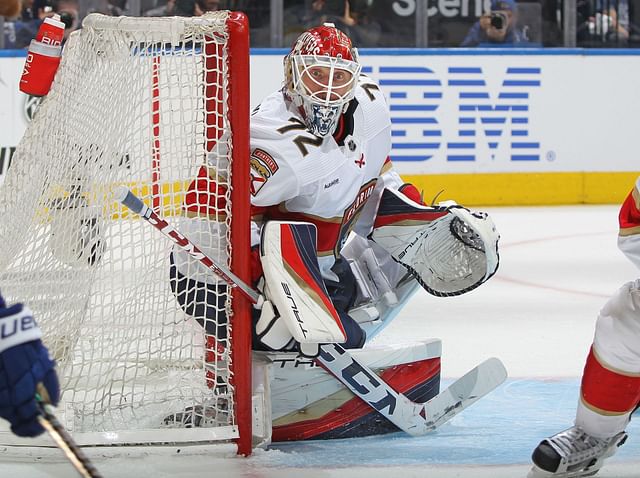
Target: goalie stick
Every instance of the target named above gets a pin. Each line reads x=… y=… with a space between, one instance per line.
x=135 y=204
x=414 y=418
x=62 y=438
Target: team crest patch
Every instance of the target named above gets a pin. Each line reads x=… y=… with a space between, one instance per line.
x=263 y=166
x=266 y=159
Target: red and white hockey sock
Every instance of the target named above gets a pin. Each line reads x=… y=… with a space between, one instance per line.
x=607 y=398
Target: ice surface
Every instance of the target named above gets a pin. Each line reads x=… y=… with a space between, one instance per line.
x=558 y=267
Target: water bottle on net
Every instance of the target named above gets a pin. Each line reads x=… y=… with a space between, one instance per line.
x=43 y=58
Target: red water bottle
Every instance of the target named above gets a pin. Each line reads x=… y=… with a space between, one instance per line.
x=43 y=58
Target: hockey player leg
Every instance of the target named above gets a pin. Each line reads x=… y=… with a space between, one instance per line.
x=609 y=393
x=412 y=417
x=205 y=303
x=447 y=248
x=270 y=332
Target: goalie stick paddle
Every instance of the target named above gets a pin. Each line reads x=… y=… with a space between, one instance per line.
x=414 y=418
x=62 y=438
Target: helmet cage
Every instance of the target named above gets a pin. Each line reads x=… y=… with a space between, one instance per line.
x=322 y=100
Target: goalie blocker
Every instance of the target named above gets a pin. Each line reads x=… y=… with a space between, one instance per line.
x=448 y=249
x=297 y=303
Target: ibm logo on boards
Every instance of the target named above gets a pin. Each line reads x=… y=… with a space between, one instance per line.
x=484 y=118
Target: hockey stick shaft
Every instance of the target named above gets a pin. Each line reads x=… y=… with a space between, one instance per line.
x=407 y=415
x=135 y=204
x=50 y=423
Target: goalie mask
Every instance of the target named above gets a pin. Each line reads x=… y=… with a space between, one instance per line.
x=321 y=75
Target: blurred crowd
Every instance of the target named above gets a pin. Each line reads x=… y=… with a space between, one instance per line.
x=20 y=30
x=376 y=23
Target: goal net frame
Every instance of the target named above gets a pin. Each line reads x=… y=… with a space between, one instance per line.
x=199 y=64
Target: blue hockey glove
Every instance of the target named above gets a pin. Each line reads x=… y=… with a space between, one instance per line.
x=24 y=362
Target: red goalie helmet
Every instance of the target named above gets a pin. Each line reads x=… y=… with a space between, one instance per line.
x=321 y=75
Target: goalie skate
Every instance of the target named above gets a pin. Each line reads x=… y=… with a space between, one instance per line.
x=212 y=414
x=573 y=453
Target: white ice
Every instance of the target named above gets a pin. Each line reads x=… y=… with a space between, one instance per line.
x=558 y=267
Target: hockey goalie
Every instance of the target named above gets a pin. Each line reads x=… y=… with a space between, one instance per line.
x=340 y=244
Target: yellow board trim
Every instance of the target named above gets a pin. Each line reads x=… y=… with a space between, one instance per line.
x=171 y=199
x=497 y=189
x=526 y=189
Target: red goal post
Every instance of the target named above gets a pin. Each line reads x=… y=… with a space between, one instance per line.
x=146 y=103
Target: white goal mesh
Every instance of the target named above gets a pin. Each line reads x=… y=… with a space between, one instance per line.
x=139 y=102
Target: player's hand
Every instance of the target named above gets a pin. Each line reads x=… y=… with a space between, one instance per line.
x=492 y=32
x=24 y=362
x=485 y=22
x=270 y=330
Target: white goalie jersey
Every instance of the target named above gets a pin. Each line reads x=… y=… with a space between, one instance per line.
x=334 y=182
x=337 y=183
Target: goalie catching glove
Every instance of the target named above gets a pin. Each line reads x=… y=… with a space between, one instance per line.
x=447 y=248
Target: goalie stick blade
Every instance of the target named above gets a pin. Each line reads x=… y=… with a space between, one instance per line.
x=465 y=391
x=416 y=419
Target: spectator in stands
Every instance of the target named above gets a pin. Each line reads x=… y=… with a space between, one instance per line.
x=610 y=21
x=204 y=6
x=184 y=8
x=9 y=8
x=349 y=16
x=366 y=31
x=337 y=12
x=29 y=11
x=497 y=27
x=114 y=8
x=69 y=15
x=161 y=10
x=19 y=33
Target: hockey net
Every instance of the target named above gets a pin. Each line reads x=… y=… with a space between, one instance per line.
x=136 y=102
